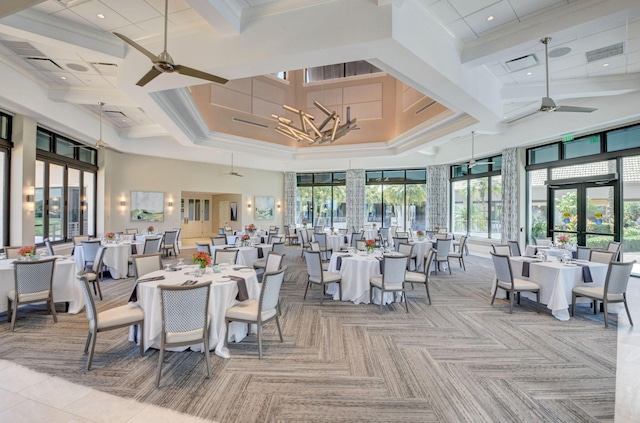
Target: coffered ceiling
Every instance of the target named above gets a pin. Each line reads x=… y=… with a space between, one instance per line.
x=480 y=61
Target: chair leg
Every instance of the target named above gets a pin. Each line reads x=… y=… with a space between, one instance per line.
x=595 y=307
x=279 y=329
x=260 y=340
x=494 y=293
x=86 y=344
x=14 y=315
x=305 y=290
x=538 y=301
x=96 y=283
x=92 y=348
x=573 y=304
x=370 y=294
x=52 y=306
x=340 y=290
x=160 y=366
x=323 y=291
x=207 y=355
x=626 y=307
x=448 y=265
x=462 y=261
x=381 y=298
x=511 y=303
x=606 y=314
x=426 y=285
x=9 y=309
x=406 y=301
x=141 y=338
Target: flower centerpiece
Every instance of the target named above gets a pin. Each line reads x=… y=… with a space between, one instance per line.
x=150 y=229
x=420 y=235
x=251 y=229
x=437 y=228
x=110 y=236
x=28 y=251
x=374 y=225
x=304 y=223
x=370 y=244
x=332 y=229
x=563 y=240
x=202 y=259
x=245 y=239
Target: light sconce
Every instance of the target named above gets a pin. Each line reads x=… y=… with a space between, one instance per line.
x=30 y=198
x=170 y=204
x=249 y=205
x=278 y=205
x=83 y=205
x=123 y=203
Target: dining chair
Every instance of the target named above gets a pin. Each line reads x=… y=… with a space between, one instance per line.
x=392 y=279
x=407 y=249
x=274 y=239
x=615 y=247
x=397 y=240
x=316 y=275
x=261 y=264
x=614 y=290
x=260 y=311
x=290 y=235
x=95 y=274
x=583 y=253
x=12 y=251
x=218 y=240
x=89 y=251
x=455 y=243
x=506 y=281
x=501 y=249
x=152 y=245
x=440 y=235
x=460 y=253
x=33 y=283
x=179 y=231
x=304 y=240
x=131 y=231
x=601 y=256
x=273 y=263
x=203 y=248
x=169 y=243
x=321 y=239
x=422 y=277
x=47 y=243
x=315 y=246
x=114 y=318
x=185 y=319
x=77 y=239
x=146 y=263
x=443 y=249
x=384 y=236
x=361 y=244
x=225 y=256
x=430 y=234
x=402 y=234
x=514 y=248
x=543 y=241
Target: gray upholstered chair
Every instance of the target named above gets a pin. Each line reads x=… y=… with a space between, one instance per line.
x=114 y=318
x=271 y=263
x=12 y=251
x=443 y=249
x=90 y=251
x=326 y=250
x=392 y=279
x=583 y=253
x=219 y=240
x=225 y=256
x=33 y=284
x=601 y=256
x=407 y=249
x=203 y=248
x=304 y=240
x=169 y=243
x=263 y=310
x=185 y=319
x=459 y=254
x=422 y=277
x=615 y=247
x=397 y=240
x=515 y=248
x=501 y=249
x=316 y=275
x=94 y=275
x=506 y=281
x=614 y=290
x=543 y=241
x=146 y=263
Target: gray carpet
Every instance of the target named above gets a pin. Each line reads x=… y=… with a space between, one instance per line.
x=457 y=360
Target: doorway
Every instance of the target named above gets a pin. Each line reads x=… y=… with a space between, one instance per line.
x=196 y=217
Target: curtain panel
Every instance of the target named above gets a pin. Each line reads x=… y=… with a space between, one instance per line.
x=290 y=185
x=355 y=198
x=510 y=218
x=437 y=196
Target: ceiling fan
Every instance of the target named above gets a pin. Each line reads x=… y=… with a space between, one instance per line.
x=100 y=144
x=233 y=172
x=163 y=63
x=473 y=163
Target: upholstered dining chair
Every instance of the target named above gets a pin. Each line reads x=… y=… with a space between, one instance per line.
x=218 y=240
x=89 y=251
x=146 y=263
x=33 y=284
x=614 y=290
x=94 y=275
x=315 y=246
x=514 y=248
x=392 y=279
x=361 y=244
x=459 y=254
x=263 y=310
x=317 y=276
x=384 y=236
x=169 y=243
x=304 y=240
x=203 y=248
x=506 y=281
x=77 y=239
x=397 y=240
x=12 y=251
x=131 y=231
x=47 y=243
x=543 y=241
x=583 y=253
x=422 y=277
x=443 y=249
x=455 y=243
x=326 y=250
x=272 y=262
x=407 y=249
x=601 y=256
x=114 y=318
x=151 y=246
x=225 y=256
x=615 y=247
x=501 y=249
x=185 y=319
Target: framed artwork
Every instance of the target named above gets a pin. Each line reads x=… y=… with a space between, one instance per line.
x=265 y=208
x=234 y=211
x=147 y=206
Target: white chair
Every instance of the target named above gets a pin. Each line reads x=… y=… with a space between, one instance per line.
x=601 y=256
x=114 y=318
x=615 y=247
x=460 y=253
x=321 y=239
x=95 y=275
x=422 y=277
x=169 y=243
x=218 y=240
x=185 y=319
x=225 y=256
x=397 y=240
x=392 y=279
x=304 y=240
x=12 y=251
x=614 y=290
x=316 y=275
x=270 y=264
x=89 y=251
x=407 y=250
x=543 y=241
x=506 y=281
x=583 y=253
x=33 y=284
x=146 y=263
x=260 y=311
x=501 y=249
x=443 y=248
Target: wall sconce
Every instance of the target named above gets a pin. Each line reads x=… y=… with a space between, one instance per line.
x=123 y=203
x=83 y=205
x=278 y=205
x=249 y=205
x=30 y=198
x=170 y=204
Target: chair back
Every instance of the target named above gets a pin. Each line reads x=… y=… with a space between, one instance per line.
x=402 y=234
x=443 y=246
x=47 y=243
x=501 y=249
x=440 y=236
x=274 y=260
x=394 y=268
x=90 y=250
x=221 y=232
x=314 y=246
x=601 y=256
x=77 y=239
x=318 y=228
x=399 y=240
x=356 y=236
x=185 y=308
x=343 y=231
x=615 y=248
x=170 y=237
x=278 y=247
x=353 y=230
x=618 y=277
x=33 y=276
x=146 y=263
x=203 y=248
x=407 y=250
x=151 y=245
x=514 y=248
x=314 y=263
x=219 y=240
x=12 y=252
x=361 y=244
x=583 y=253
x=430 y=234
x=304 y=236
x=90 y=305
x=428 y=259
x=384 y=233
x=463 y=243
x=225 y=256
x=131 y=231
x=321 y=239
x=544 y=241
x=270 y=293
x=274 y=239
x=502 y=267
x=97 y=261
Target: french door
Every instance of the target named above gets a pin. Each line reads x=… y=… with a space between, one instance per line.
x=586 y=212
x=196 y=217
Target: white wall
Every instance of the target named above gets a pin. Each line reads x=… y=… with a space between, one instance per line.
x=127 y=172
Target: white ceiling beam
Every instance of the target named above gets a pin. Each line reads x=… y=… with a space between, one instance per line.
x=147 y=131
x=78 y=95
x=225 y=16
x=10 y=7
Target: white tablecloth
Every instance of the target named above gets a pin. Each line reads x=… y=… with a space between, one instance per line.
x=247 y=255
x=421 y=248
x=222 y=297
x=556 y=281
x=356 y=273
x=116 y=258
x=370 y=234
x=531 y=250
x=66 y=287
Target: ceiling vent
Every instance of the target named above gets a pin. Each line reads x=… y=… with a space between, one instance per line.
x=115 y=113
x=105 y=69
x=605 y=52
x=22 y=48
x=425 y=107
x=44 y=64
x=520 y=63
x=249 y=122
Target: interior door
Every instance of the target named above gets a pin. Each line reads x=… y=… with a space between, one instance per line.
x=196 y=220
x=224 y=214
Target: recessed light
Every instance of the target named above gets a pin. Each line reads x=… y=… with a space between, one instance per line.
x=490 y=18
x=529 y=73
x=100 y=15
x=63 y=77
x=605 y=65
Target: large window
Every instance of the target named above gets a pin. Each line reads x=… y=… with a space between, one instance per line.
x=321 y=199
x=64 y=188
x=5 y=148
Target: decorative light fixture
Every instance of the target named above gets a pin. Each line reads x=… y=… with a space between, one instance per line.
x=170 y=203
x=123 y=203
x=30 y=198
x=308 y=131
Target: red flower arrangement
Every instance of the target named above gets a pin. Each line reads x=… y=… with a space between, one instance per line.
x=370 y=244
x=202 y=258
x=251 y=228
x=150 y=229
x=420 y=233
x=110 y=235
x=245 y=237
x=27 y=250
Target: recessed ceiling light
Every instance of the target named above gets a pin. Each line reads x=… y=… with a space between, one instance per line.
x=63 y=77
x=605 y=65
x=100 y=15
x=490 y=18
x=529 y=73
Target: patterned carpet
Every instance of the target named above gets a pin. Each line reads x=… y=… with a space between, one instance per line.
x=458 y=360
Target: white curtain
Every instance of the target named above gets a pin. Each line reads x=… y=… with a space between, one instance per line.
x=437 y=196
x=290 y=185
x=355 y=198
x=510 y=219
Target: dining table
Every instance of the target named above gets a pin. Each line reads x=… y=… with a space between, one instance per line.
x=116 y=257
x=556 y=280
x=66 y=288
x=532 y=250
x=224 y=294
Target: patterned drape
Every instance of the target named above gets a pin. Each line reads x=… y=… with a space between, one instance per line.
x=355 y=198
x=437 y=196
x=510 y=214
x=290 y=185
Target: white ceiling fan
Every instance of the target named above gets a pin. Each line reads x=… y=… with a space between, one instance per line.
x=233 y=172
x=473 y=163
x=163 y=63
x=100 y=144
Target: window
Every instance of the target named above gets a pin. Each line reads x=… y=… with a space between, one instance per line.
x=321 y=199
x=5 y=148
x=586 y=146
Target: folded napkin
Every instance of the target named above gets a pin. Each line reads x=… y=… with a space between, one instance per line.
x=586 y=273
x=134 y=292
x=134 y=249
x=260 y=253
x=339 y=261
x=262 y=239
x=243 y=294
x=155 y=278
x=525 y=269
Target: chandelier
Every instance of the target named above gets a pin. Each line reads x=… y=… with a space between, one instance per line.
x=328 y=130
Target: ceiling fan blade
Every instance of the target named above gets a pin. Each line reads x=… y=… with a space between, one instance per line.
x=575 y=109
x=148 y=77
x=184 y=70
x=137 y=46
